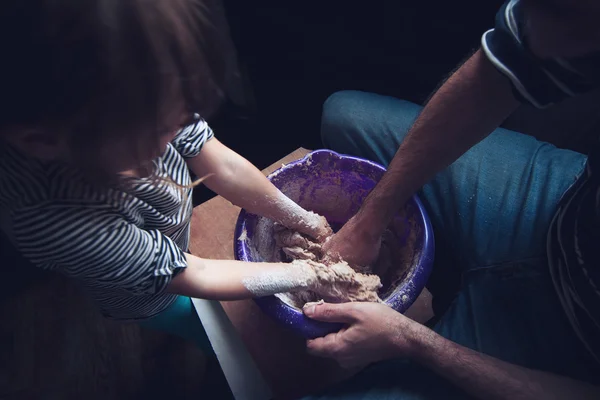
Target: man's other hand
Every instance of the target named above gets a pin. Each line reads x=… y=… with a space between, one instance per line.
x=373 y=332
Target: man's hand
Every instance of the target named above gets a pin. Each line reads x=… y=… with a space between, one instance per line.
x=374 y=332
x=353 y=244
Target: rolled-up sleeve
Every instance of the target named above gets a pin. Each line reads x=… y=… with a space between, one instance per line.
x=190 y=139
x=539 y=82
x=98 y=246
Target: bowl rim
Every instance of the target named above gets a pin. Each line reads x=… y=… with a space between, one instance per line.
x=410 y=288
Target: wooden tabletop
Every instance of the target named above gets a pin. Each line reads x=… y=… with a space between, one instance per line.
x=280 y=355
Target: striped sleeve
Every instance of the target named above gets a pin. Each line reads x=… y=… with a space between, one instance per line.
x=97 y=245
x=190 y=139
x=539 y=82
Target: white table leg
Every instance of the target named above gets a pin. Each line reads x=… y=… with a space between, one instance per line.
x=240 y=370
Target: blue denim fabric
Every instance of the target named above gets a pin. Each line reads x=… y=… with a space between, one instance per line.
x=492 y=208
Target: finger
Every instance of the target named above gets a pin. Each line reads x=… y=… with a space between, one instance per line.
x=323 y=347
x=328 y=243
x=317 y=347
x=343 y=312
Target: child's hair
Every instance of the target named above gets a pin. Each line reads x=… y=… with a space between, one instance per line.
x=104 y=70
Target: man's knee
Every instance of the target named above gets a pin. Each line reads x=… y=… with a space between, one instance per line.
x=353 y=117
x=341 y=117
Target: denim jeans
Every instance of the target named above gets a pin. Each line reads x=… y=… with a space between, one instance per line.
x=491 y=210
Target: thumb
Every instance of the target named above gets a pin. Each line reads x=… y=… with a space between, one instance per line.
x=326 y=245
x=326 y=312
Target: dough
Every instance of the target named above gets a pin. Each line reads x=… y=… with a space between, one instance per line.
x=340 y=283
x=337 y=281
x=295 y=245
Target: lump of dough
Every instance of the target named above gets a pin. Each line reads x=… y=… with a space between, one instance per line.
x=295 y=245
x=336 y=281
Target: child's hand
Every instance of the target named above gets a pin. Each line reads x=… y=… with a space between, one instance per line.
x=323 y=231
x=314 y=226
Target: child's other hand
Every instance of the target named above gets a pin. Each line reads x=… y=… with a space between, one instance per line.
x=323 y=231
x=315 y=226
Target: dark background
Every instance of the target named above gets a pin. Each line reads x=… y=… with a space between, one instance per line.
x=295 y=54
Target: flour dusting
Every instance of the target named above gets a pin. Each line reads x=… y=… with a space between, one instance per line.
x=296 y=276
x=336 y=282
x=296 y=215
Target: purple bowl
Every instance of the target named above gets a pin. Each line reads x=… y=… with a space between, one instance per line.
x=335 y=186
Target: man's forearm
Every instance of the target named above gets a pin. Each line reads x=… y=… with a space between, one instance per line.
x=488 y=378
x=469 y=106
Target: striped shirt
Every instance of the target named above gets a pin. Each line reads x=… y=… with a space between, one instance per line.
x=574 y=233
x=124 y=246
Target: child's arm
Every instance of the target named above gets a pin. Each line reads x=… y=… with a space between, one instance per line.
x=244 y=185
x=235 y=280
x=94 y=243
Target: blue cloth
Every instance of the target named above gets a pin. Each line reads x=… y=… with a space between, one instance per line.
x=181 y=319
x=492 y=209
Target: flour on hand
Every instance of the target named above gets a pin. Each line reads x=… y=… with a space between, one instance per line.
x=336 y=281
